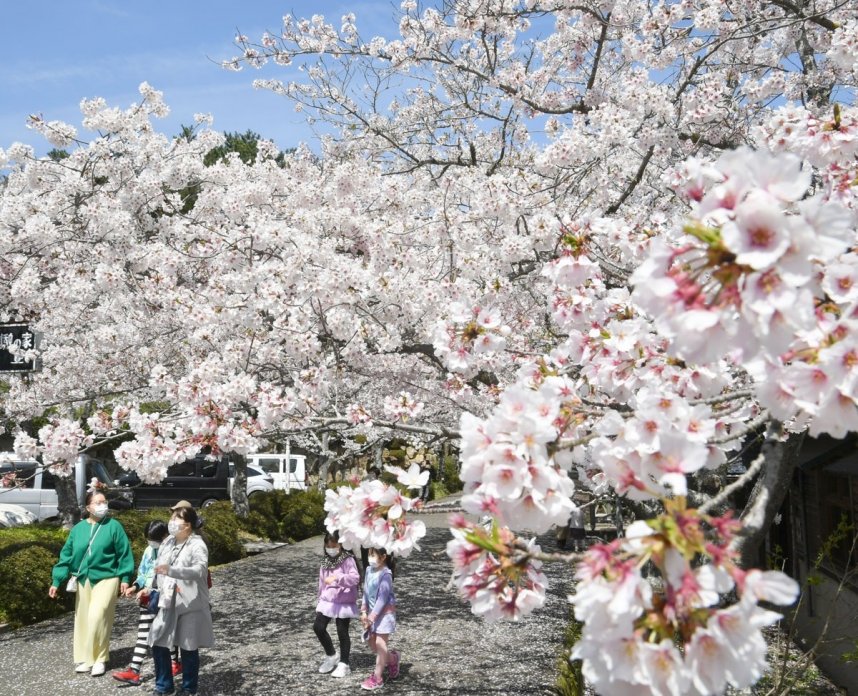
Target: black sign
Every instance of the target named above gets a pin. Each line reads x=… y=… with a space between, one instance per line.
x=16 y=336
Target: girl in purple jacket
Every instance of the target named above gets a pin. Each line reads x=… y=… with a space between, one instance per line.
x=338 y=590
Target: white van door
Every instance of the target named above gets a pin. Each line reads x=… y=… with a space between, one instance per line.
x=296 y=477
x=273 y=465
x=20 y=485
x=288 y=472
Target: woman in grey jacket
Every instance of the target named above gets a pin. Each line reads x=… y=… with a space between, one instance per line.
x=184 y=618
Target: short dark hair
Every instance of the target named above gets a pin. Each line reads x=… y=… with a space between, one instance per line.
x=188 y=515
x=156 y=530
x=90 y=494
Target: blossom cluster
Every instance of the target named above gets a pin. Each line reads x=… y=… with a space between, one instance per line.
x=61 y=442
x=402 y=407
x=494 y=570
x=677 y=634
x=374 y=514
x=507 y=467
x=650 y=453
x=467 y=336
x=762 y=277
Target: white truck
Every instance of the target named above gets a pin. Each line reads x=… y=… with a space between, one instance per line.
x=29 y=485
x=288 y=471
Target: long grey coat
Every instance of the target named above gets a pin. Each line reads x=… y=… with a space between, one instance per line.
x=185 y=618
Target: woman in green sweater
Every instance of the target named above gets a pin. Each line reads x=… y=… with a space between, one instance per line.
x=98 y=554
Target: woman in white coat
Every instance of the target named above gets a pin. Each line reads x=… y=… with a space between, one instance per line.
x=184 y=618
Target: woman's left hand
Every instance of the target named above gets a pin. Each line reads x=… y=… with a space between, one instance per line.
x=123 y=588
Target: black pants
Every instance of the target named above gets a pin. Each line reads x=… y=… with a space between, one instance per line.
x=320 y=626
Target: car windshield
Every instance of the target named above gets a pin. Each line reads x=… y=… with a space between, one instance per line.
x=269 y=466
x=96 y=469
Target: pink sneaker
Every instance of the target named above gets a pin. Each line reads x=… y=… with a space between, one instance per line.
x=393 y=665
x=371 y=683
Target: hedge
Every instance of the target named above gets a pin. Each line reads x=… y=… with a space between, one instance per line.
x=282 y=516
x=27 y=554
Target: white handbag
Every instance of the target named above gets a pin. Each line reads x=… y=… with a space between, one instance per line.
x=71 y=585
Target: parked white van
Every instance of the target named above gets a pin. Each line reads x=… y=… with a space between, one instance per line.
x=288 y=471
x=27 y=484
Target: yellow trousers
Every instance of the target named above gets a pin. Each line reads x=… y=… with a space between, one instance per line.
x=94 y=608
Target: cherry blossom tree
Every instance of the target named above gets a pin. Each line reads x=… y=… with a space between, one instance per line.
x=601 y=244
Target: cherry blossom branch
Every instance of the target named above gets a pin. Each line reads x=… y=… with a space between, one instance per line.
x=751 y=427
x=729 y=396
x=749 y=475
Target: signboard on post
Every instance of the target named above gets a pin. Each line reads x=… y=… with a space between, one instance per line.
x=16 y=336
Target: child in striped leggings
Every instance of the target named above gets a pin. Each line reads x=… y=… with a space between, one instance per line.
x=156 y=532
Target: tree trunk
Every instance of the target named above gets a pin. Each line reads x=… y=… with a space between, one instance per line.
x=325 y=462
x=239 y=487
x=378 y=456
x=68 y=506
x=769 y=492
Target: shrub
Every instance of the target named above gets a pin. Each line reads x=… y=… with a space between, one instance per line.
x=134 y=522
x=450 y=475
x=220 y=530
x=282 y=516
x=267 y=511
x=305 y=515
x=570 y=680
x=27 y=556
x=437 y=490
x=222 y=533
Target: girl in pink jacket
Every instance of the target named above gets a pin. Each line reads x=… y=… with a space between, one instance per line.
x=338 y=591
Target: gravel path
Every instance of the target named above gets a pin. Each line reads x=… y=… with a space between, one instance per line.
x=263 y=613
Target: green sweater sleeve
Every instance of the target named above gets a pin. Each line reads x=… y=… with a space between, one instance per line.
x=63 y=569
x=125 y=556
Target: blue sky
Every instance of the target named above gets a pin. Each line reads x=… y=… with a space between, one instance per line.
x=55 y=52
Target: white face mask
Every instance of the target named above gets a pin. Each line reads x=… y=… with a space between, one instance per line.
x=374 y=561
x=99 y=511
x=332 y=552
x=154 y=544
x=174 y=527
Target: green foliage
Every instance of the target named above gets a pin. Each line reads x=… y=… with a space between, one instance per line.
x=570 y=681
x=245 y=145
x=840 y=543
x=450 y=475
x=437 y=490
x=135 y=521
x=776 y=558
x=282 y=516
x=222 y=531
x=56 y=155
x=305 y=515
x=267 y=511
x=27 y=556
x=339 y=484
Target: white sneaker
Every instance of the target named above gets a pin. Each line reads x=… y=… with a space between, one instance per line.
x=342 y=670
x=83 y=667
x=329 y=663
x=98 y=669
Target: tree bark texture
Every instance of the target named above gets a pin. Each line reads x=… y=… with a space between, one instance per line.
x=239 y=487
x=769 y=491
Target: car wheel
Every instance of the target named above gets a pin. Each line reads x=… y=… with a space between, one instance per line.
x=208 y=503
